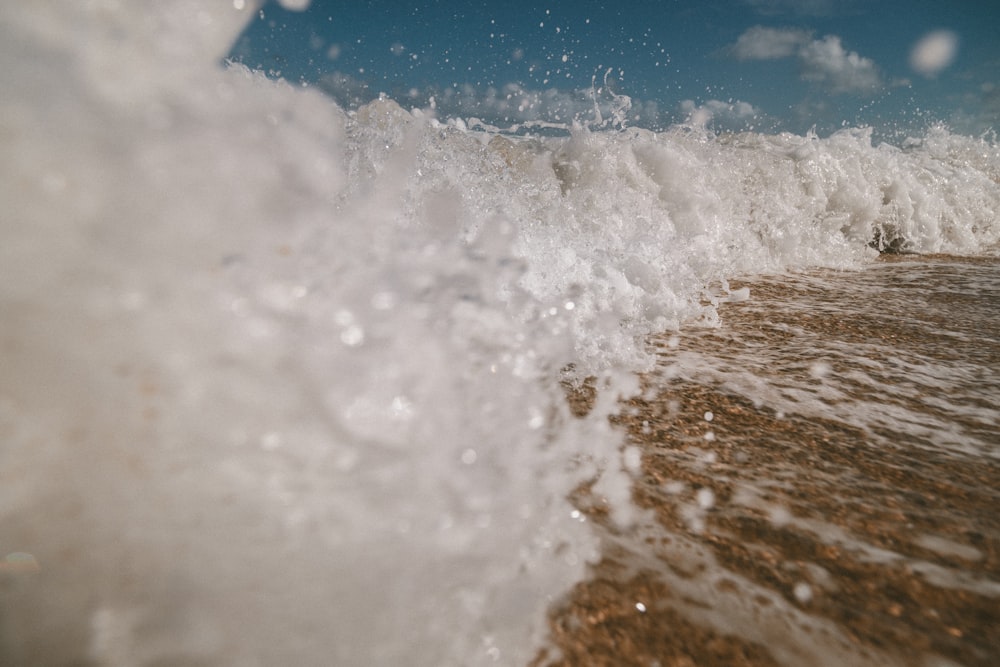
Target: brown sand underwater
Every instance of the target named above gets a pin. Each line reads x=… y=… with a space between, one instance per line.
x=795 y=539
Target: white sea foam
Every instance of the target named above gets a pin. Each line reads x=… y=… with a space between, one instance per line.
x=281 y=383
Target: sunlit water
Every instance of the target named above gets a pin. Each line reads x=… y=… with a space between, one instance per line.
x=905 y=350
x=283 y=384
x=821 y=473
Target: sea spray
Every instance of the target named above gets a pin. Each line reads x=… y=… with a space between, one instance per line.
x=268 y=396
x=282 y=382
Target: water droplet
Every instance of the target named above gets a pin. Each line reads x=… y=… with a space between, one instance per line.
x=352 y=336
x=820 y=369
x=402 y=408
x=632 y=459
x=674 y=488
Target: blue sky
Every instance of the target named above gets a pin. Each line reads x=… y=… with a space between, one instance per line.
x=768 y=65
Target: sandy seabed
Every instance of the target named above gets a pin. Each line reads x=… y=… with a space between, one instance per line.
x=785 y=538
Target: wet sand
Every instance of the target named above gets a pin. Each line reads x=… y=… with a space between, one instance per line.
x=777 y=536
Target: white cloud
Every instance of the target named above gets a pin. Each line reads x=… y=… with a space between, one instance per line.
x=821 y=61
x=825 y=61
x=979 y=111
x=760 y=43
x=935 y=51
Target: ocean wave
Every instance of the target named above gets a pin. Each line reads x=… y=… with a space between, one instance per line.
x=283 y=381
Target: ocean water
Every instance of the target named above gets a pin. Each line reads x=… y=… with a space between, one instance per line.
x=282 y=382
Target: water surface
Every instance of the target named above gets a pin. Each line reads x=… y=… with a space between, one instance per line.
x=822 y=473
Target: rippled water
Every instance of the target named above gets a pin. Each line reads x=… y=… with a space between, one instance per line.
x=822 y=477
x=906 y=350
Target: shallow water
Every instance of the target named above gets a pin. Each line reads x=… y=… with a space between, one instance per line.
x=906 y=348
x=822 y=475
